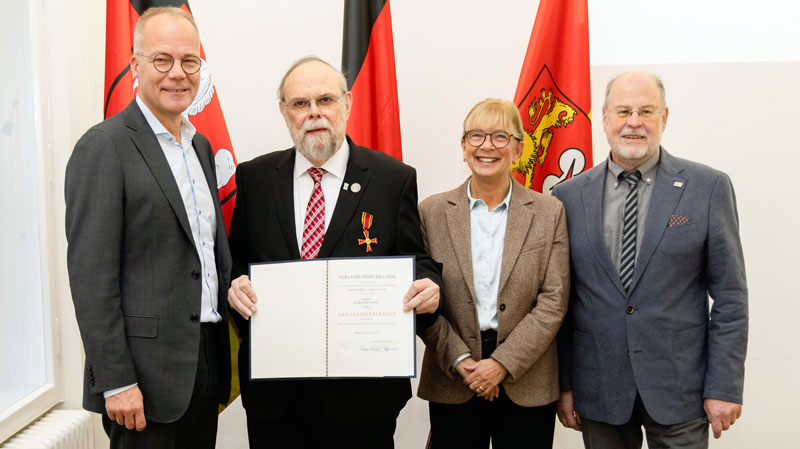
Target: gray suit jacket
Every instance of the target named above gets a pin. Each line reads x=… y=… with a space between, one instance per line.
x=134 y=270
x=659 y=339
x=532 y=297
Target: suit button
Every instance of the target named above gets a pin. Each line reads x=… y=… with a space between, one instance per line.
x=629 y=310
x=195 y=274
x=502 y=307
x=195 y=317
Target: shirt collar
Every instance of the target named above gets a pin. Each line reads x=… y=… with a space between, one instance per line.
x=474 y=201
x=187 y=129
x=336 y=165
x=646 y=169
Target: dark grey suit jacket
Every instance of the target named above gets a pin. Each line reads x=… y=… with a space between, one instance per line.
x=134 y=270
x=659 y=339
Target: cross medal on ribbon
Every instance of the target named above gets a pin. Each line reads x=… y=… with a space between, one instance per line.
x=366 y=223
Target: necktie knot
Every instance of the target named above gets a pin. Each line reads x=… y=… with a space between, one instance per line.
x=316 y=173
x=632 y=177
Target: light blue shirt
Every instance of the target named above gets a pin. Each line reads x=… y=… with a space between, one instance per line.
x=197 y=200
x=199 y=205
x=487 y=237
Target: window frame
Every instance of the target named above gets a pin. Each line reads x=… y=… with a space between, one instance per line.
x=47 y=395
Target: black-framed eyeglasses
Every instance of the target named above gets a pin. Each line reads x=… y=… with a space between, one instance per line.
x=164 y=62
x=325 y=102
x=476 y=137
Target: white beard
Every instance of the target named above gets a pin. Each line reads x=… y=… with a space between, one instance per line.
x=632 y=154
x=316 y=148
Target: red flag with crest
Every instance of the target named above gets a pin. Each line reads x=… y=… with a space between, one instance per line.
x=553 y=97
x=205 y=113
x=368 y=64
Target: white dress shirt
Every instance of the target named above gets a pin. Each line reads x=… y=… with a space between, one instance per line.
x=331 y=186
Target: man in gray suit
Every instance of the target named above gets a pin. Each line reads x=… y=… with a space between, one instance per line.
x=652 y=236
x=148 y=258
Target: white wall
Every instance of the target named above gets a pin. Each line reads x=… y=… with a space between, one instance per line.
x=731 y=102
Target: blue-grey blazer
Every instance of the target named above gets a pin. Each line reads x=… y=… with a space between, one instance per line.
x=661 y=339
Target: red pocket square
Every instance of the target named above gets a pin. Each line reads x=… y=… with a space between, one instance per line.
x=677 y=220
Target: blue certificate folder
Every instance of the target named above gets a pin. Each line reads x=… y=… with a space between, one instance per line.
x=332 y=319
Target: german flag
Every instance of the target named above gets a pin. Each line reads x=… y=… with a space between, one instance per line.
x=368 y=64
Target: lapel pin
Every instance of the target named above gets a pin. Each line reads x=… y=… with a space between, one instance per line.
x=677 y=184
x=345 y=186
x=355 y=188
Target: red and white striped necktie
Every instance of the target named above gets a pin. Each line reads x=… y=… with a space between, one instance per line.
x=314 y=224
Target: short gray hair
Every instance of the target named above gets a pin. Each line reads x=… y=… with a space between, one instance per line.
x=311 y=58
x=656 y=79
x=152 y=12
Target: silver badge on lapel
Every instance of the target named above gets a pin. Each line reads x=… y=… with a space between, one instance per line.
x=345 y=186
x=355 y=188
x=677 y=184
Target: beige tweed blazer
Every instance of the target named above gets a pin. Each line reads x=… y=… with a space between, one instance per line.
x=531 y=302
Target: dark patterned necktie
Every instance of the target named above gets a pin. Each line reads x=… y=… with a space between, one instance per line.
x=631 y=211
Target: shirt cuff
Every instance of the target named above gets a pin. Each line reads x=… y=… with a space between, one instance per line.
x=458 y=360
x=109 y=393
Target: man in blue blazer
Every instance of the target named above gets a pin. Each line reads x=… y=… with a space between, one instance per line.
x=652 y=236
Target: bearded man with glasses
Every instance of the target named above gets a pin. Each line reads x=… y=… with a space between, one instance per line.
x=148 y=258
x=312 y=201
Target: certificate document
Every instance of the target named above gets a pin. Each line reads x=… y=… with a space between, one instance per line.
x=332 y=318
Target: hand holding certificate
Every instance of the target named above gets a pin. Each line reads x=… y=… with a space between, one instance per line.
x=333 y=318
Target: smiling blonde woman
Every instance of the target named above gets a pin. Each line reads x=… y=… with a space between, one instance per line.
x=490 y=369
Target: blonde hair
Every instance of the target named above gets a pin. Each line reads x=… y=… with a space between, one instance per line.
x=495 y=110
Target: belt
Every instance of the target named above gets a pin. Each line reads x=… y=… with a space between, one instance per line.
x=489 y=335
x=207 y=326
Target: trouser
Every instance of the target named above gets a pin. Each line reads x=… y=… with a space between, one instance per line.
x=472 y=424
x=197 y=428
x=686 y=435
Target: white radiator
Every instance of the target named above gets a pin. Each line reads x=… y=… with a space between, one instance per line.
x=58 y=429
